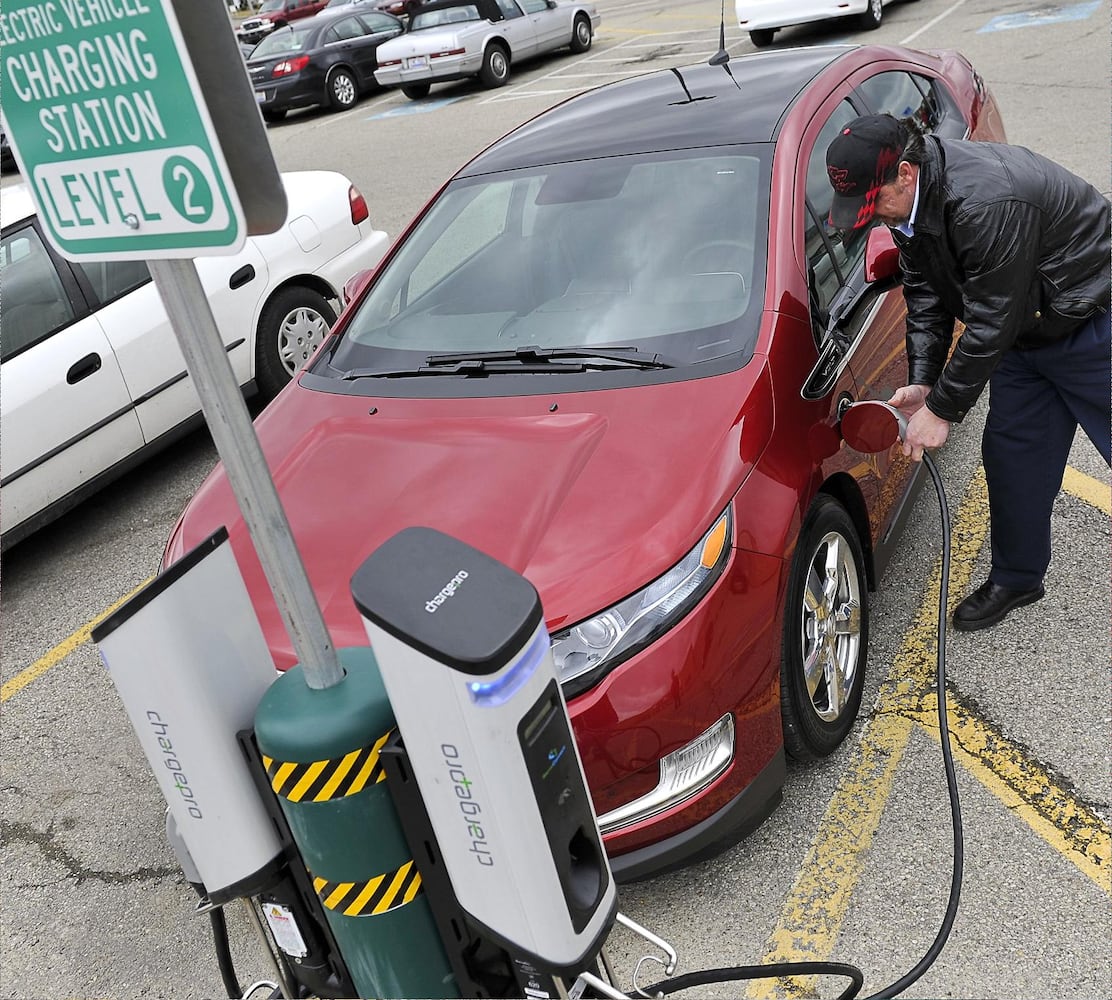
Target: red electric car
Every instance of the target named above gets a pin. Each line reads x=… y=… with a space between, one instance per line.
x=612 y=352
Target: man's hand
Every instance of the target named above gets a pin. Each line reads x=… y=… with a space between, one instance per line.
x=910 y=399
x=924 y=429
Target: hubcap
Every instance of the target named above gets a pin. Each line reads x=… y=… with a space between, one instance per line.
x=876 y=6
x=583 y=33
x=831 y=633
x=301 y=333
x=498 y=65
x=344 y=89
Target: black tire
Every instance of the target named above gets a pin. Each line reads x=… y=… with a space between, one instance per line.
x=292 y=326
x=274 y=116
x=343 y=91
x=826 y=633
x=415 y=91
x=581 y=34
x=762 y=38
x=496 y=67
x=873 y=15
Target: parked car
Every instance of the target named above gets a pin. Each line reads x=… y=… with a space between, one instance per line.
x=275 y=14
x=329 y=59
x=456 y=39
x=612 y=353
x=91 y=377
x=763 y=18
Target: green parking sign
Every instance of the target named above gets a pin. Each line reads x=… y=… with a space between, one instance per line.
x=104 y=112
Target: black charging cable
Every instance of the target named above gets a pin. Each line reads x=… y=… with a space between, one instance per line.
x=778 y=970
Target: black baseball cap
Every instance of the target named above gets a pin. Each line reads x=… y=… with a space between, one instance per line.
x=863 y=157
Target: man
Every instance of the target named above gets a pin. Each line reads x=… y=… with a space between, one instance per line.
x=1017 y=248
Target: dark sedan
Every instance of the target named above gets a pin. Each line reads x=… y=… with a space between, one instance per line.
x=329 y=59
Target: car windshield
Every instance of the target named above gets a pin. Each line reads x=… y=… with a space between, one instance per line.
x=446 y=15
x=270 y=6
x=292 y=38
x=663 y=253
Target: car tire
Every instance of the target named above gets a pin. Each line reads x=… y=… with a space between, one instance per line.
x=343 y=91
x=292 y=326
x=826 y=633
x=415 y=91
x=581 y=34
x=762 y=38
x=496 y=67
x=274 y=116
x=874 y=14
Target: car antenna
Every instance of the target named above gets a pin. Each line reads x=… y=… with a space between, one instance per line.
x=722 y=56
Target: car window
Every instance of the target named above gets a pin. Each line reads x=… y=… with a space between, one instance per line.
x=342 y=30
x=830 y=257
x=379 y=22
x=109 y=279
x=534 y=6
x=446 y=15
x=909 y=94
x=34 y=301
x=509 y=9
x=282 y=42
x=662 y=251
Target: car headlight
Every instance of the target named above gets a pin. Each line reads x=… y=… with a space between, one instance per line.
x=587 y=651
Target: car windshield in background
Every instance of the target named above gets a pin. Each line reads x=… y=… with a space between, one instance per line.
x=448 y=15
x=291 y=38
x=662 y=252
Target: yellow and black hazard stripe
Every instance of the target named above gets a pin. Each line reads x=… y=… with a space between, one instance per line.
x=379 y=895
x=327 y=779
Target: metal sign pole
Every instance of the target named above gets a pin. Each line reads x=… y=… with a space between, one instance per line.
x=227 y=418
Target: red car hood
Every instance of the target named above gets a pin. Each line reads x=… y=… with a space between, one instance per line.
x=590 y=496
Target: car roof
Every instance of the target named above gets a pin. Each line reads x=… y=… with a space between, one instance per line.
x=488 y=9
x=683 y=108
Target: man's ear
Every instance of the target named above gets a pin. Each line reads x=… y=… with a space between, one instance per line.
x=906 y=172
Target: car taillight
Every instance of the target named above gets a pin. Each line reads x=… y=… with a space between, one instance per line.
x=389 y=62
x=359 y=210
x=287 y=66
x=449 y=52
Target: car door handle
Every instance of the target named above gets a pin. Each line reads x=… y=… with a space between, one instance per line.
x=87 y=366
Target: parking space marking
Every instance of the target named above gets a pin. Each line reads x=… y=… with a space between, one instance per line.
x=1042 y=15
x=61 y=651
x=1026 y=787
x=1092 y=491
x=816 y=906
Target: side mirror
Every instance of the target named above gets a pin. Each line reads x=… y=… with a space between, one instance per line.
x=355 y=285
x=882 y=258
x=871 y=426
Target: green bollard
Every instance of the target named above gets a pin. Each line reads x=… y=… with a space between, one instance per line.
x=321 y=752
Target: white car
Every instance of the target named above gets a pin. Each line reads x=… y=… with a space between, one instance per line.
x=91 y=377
x=763 y=18
x=456 y=39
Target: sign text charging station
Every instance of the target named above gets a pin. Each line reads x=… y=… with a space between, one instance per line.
x=111 y=130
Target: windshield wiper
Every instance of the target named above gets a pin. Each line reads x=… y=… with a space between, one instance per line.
x=627 y=356
x=523 y=360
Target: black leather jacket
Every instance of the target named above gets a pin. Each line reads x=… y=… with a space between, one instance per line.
x=1008 y=242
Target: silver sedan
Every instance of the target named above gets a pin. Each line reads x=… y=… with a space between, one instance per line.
x=456 y=39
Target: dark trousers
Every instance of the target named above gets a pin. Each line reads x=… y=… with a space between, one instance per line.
x=1037 y=400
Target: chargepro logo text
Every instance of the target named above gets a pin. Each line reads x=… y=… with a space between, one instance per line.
x=446 y=591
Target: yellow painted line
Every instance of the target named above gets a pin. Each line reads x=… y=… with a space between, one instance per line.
x=61 y=651
x=816 y=906
x=1086 y=488
x=1063 y=820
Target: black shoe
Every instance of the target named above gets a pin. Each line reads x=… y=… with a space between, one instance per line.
x=989 y=604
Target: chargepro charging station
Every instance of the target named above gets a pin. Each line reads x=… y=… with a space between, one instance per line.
x=461 y=645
